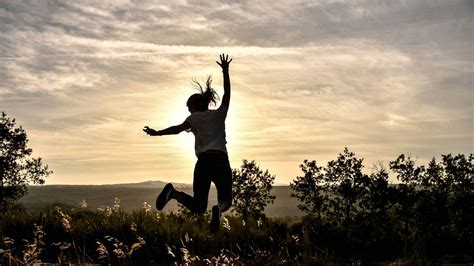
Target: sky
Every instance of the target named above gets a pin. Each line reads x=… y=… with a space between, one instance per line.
x=308 y=79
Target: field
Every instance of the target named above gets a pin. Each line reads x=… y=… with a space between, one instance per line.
x=51 y=225
x=132 y=197
x=350 y=218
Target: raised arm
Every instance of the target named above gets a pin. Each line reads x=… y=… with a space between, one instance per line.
x=224 y=63
x=173 y=130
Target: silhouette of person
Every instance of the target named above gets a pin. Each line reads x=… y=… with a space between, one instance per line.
x=208 y=127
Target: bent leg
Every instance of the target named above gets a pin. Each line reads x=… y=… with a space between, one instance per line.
x=201 y=186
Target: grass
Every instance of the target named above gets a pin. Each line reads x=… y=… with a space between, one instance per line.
x=109 y=235
x=141 y=237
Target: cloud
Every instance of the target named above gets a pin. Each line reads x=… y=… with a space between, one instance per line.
x=308 y=78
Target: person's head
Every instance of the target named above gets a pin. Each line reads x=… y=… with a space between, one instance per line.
x=200 y=101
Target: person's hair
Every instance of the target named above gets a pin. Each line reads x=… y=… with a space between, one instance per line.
x=206 y=96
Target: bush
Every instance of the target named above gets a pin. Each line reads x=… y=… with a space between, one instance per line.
x=425 y=216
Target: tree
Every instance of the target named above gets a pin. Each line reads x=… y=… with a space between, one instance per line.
x=435 y=202
x=378 y=207
x=251 y=190
x=459 y=175
x=408 y=196
x=17 y=169
x=334 y=192
x=311 y=189
x=349 y=185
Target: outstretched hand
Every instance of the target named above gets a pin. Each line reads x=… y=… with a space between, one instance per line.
x=224 y=63
x=150 y=131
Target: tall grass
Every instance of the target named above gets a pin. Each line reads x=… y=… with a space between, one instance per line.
x=142 y=237
x=146 y=237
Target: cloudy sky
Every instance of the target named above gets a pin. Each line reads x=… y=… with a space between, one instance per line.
x=308 y=77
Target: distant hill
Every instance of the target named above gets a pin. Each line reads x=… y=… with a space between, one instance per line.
x=144 y=184
x=133 y=195
x=149 y=184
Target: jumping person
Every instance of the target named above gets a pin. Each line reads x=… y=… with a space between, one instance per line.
x=208 y=127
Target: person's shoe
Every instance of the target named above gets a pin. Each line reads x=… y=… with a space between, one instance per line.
x=216 y=219
x=164 y=196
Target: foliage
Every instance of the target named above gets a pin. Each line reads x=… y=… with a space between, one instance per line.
x=351 y=217
x=426 y=214
x=310 y=189
x=143 y=237
x=349 y=186
x=17 y=169
x=251 y=190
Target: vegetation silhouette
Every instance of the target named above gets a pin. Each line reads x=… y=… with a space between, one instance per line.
x=17 y=168
x=350 y=217
x=427 y=215
x=251 y=190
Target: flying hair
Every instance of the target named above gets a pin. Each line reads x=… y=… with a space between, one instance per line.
x=205 y=97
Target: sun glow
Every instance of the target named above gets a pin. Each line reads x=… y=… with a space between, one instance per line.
x=175 y=114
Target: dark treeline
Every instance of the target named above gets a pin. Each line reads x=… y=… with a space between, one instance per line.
x=427 y=215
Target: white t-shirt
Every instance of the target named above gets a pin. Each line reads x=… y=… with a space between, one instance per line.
x=208 y=128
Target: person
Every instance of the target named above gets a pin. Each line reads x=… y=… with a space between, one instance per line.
x=208 y=127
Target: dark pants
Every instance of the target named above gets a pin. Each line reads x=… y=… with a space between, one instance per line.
x=210 y=167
